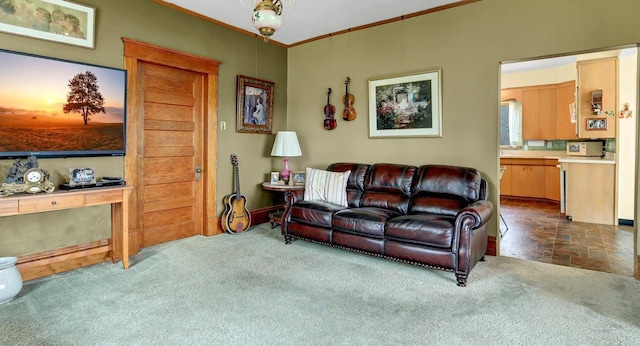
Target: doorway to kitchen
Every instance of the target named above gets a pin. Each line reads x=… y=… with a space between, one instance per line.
x=532 y=188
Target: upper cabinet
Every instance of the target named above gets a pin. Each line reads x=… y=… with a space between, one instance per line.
x=546 y=110
x=539 y=107
x=566 y=122
x=597 y=98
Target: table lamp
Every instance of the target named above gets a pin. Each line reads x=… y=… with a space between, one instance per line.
x=286 y=145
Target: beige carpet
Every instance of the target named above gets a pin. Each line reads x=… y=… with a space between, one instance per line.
x=252 y=289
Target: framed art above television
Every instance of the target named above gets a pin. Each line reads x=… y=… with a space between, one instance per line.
x=59 y=108
x=53 y=20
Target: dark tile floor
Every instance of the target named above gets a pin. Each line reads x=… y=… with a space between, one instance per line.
x=539 y=232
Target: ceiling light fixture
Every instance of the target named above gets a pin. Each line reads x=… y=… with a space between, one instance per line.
x=266 y=17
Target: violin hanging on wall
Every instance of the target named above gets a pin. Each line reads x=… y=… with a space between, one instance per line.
x=349 y=113
x=329 y=111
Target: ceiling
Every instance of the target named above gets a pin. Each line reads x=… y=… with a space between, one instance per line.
x=308 y=19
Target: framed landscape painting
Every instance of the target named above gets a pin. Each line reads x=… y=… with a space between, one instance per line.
x=406 y=106
x=54 y=20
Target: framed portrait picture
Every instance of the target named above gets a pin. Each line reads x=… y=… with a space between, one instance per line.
x=254 y=106
x=298 y=177
x=596 y=124
x=406 y=106
x=53 y=20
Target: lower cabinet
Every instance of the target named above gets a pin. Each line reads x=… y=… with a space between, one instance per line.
x=527 y=181
x=552 y=181
x=533 y=178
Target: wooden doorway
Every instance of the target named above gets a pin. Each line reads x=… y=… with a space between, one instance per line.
x=171 y=144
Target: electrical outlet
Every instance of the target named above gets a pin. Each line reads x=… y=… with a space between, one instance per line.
x=549 y=145
x=223 y=125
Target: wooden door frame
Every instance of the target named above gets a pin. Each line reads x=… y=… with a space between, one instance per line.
x=134 y=53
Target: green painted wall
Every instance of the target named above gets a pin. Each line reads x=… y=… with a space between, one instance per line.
x=467 y=43
x=147 y=21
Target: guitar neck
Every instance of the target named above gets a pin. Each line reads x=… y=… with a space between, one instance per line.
x=237 y=173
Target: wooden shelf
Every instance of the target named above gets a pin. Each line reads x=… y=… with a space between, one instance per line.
x=21 y=204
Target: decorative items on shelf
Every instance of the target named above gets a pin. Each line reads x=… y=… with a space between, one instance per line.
x=82 y=175
x=26 y=177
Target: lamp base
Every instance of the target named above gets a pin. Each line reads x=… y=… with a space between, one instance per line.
x=286 y=173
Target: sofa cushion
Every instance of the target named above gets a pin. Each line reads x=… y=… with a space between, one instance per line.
x=424 y=229
x=314 y=212
x=367 y=221
x=321 y=185
x=355 y=184
x=444 y=190
x=388 y=186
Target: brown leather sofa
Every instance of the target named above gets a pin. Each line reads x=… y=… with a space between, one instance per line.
x=433 y=216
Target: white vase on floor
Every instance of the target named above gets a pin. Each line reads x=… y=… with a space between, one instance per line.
x=10 y=279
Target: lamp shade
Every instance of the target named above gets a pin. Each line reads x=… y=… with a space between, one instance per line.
x=286 y=144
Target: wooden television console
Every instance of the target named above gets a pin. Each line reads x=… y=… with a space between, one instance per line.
x=19 y=204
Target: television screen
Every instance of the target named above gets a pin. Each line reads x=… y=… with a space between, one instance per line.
x=57 y=108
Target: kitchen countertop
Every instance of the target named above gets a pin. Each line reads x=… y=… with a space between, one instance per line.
x=596 y=160
x=531 y=154
x=561 y=156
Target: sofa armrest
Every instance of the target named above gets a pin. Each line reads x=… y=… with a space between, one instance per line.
x=479 y=211
x=470 y=244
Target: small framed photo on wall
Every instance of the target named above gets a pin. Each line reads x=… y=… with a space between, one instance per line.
x=596 y=124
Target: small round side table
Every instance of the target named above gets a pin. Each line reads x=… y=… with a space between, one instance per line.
x=275 y=217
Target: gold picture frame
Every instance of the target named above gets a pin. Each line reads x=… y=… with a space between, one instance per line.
x=53 y=20
x=406 y=106
x=254 y=108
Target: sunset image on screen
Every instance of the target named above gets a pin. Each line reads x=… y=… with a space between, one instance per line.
x=53 y=105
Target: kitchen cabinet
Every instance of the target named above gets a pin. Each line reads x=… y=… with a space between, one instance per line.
x=600 y=74
x=527 y=181
x=539 y=108
x=505 y=181
x=590 y=191
x=511 y=94
x=531 y=178
x=565 y=128
x=552 y=180
x=546 y=111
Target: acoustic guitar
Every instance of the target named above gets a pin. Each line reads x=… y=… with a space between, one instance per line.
x=236 y=217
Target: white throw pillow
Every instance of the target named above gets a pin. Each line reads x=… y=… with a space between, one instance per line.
x=326 y=186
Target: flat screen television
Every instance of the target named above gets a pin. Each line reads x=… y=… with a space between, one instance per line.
x=59 y=108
